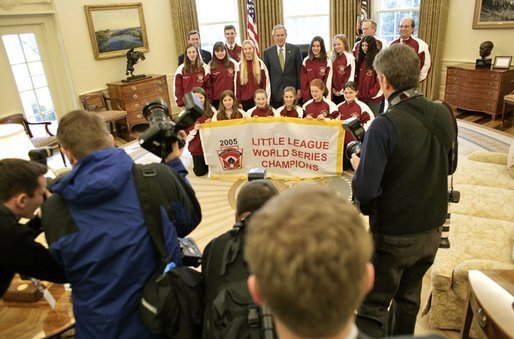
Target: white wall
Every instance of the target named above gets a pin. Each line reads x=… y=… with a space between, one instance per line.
x=462 y=41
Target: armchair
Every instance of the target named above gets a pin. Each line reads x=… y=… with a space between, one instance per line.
x=45 y=141
x=97 y=102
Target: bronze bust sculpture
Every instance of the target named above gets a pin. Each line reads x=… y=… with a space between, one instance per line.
x=485 y=50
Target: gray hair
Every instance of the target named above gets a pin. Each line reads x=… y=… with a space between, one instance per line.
x=400 y=65
x=279 y=26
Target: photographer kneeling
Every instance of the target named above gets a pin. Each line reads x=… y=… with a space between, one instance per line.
x=401 y=183
x=96 y=229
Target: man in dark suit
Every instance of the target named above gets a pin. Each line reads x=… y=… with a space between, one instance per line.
x=193 y=37
x=283 y=61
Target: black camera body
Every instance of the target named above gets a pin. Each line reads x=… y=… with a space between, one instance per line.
x=355 y=128
x=163 y=131
x=40 y=155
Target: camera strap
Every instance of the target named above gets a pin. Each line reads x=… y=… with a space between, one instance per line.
x=404 y=96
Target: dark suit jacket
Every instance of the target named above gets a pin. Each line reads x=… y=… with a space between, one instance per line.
x=206 y=57
x=291 y=74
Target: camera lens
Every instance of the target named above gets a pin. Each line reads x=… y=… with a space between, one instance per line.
x=353 y=147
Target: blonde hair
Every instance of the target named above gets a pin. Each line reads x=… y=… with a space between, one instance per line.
x=256 y=65
x=82 y=133
x=310 y=266
x=344 y=40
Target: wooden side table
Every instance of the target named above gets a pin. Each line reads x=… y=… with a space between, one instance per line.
x=478 y=89
x=491 y=300
x=135 y=94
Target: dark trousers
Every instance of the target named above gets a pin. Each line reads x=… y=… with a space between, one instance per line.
x=200 y=168
x=400 y=263
x=374 y=106
x=247 y=104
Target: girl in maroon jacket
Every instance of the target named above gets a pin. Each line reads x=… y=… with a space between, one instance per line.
x=222 y=72
x=343 y=67
x=251 y=75
x=352 y=107
x=261 y=108
x=318 y=107
x=315 y=66
x=290 y=108
x=194 y=143
x=367 y=78
x=192 y=73
x=228 y=109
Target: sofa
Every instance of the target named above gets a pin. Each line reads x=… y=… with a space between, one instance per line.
x=481 y=235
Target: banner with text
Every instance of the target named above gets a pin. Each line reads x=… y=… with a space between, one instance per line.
x=285 y=147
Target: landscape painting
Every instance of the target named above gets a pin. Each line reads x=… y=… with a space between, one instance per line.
x=114 y=29
x=494 y=14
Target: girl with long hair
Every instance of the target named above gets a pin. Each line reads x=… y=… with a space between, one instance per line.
x=251 y=75
x=222 y=72
x=367 y=78
x=343 y=67
x=352 y=108
x=290 y=108
x=315 y=66
x=194 y=142
x=228 y=108
x=192 y=73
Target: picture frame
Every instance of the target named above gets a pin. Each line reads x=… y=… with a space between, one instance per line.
x=502 y=62
x=116 y=28
x=493 y=14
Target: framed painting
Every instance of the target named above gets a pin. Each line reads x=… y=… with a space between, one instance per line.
x=502 y=62
x=493 y=14
x=114 y=29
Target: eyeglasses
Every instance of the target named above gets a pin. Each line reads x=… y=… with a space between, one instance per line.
x=405 y=26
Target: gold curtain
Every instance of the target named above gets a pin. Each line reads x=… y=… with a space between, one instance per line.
x=184 y=18
x=269 y=13
x=343 y=19
x=432 y=28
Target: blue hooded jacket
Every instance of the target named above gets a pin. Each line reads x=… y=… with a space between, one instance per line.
x=107 y=252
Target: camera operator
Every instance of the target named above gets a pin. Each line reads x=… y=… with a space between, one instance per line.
x=22 y=191
x=102 y=240
x=401 y=183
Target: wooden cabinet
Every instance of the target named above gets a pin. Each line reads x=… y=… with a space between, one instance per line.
x=479 y=89
x=135 y=94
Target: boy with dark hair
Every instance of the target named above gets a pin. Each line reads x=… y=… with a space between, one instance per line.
x=224 y=268
x=22 y=191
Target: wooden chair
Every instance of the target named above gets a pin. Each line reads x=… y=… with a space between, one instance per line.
x=97 y=102
x=507 y=100
x=46 y=141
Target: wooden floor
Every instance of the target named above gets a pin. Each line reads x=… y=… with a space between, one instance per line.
x=485 y=120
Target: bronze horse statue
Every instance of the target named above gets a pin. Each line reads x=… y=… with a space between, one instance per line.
x=132 y=58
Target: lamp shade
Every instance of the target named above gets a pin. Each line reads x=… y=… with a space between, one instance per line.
x=14 y=142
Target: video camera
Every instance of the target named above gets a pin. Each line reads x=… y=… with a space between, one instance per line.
x=355 y=128
x=40 y=155
x=163 y=131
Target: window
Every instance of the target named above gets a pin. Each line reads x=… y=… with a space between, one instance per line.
x=213 y=16
x=390 y=13
x=29 y=75
x=304 y=21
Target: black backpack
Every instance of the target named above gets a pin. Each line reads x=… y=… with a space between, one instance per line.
x=230 y=312
x=171 y=300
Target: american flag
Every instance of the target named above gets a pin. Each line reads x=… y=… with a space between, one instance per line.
x=251 y=27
